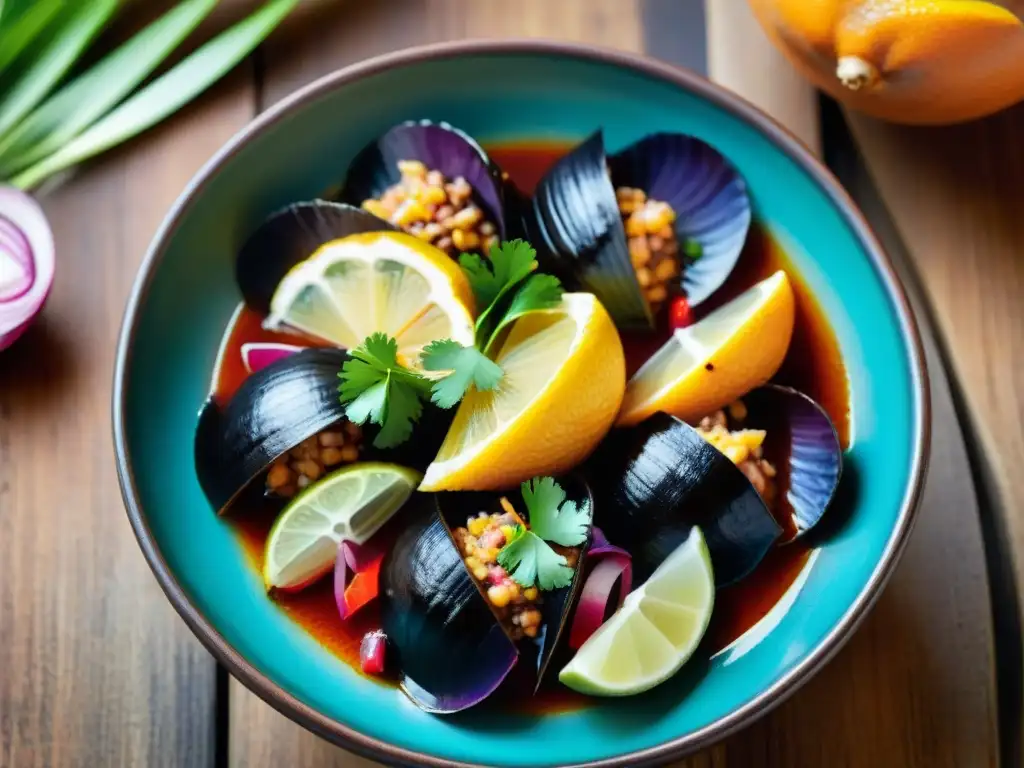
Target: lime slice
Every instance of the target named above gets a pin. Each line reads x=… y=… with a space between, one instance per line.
x=655 y=631
x=351 y=503
x=378 y=281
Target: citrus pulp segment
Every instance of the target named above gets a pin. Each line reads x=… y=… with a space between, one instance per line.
x=711 y=363
x=377 y=282
x=351 y=503
x=564 y=377
x=655 y=631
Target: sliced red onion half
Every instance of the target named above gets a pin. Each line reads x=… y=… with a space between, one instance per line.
x=26 y=263
x=257 y=355
x=613 y=566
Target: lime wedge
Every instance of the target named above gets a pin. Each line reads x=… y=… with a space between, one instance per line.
x=654 y=633
x=351 y=503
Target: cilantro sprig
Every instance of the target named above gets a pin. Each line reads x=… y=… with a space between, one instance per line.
x=527 y=556
x=379 y=389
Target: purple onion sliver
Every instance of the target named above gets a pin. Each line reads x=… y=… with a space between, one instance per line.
x=359 y=557
x=257 y=355
x=597 y=594
x=342 y=575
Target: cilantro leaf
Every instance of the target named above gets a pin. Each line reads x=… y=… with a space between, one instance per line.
x=468 y=365
x=529 y=561
x=378 y=389
x=404 y=408
x=552 y=518
x=491 y=279
x=538 y=292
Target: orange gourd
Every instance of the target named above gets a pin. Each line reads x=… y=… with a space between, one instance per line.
x=907 y=61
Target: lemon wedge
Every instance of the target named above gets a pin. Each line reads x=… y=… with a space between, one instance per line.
x=563 y=384
x=655 y=631
x=377 y=281
x=711 y=363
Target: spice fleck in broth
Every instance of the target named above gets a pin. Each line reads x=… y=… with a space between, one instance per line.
x=813 y=365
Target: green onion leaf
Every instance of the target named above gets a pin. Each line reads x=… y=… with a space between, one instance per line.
x=19 y=29
x=78 y=104
x=53 y=61
x=165 y=95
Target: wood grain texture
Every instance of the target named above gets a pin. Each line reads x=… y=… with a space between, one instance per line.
x=914 y=685
x=96 y=669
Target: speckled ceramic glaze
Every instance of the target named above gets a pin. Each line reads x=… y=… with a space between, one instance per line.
x=186 y=293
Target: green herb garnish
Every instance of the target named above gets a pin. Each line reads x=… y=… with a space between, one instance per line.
x=379 y=389
x=468 y=365
x=692 y=249
x=527 y=556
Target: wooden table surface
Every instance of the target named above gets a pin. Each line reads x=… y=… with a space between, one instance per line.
x=97 y=670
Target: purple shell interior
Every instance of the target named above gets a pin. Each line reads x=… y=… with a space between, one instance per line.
x=801 y=436
x=440 y=147
x=708 y=195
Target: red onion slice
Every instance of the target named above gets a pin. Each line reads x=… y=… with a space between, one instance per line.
x=614 y=566
x=257 y=355
x=351 y=559
x=26 y=262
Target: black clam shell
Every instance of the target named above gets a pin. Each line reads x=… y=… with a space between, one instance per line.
x=803 y=443
x=451 y=652
x=656 y=480
x=575 y=223
x=439 y=146
x=289 y=236
x=274 y=410
x=556 y=607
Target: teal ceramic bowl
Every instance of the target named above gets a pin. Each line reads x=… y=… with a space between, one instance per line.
x=185 y=295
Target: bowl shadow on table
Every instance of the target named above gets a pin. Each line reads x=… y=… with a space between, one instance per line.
x=38 y=367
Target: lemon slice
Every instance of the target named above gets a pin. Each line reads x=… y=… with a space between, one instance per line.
x=655 y=631
x=711 y=363
x=351 y=503
x=377 y=281
x=563 y=384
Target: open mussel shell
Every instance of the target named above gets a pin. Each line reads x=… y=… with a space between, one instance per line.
x=556 y=606
x=292 y=235
x=707 y=194
x=576 y=223
x=451 y=652
x=440 y=147
x=273 y=411
x=658 y=479
x=803 y=443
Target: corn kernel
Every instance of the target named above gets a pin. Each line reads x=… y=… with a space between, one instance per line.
x=488 y=554
x=737 y=454
x=666 y=268
x=530 y=593
x=498 y=596
x=408 y=212
x=433 y=195
x=656 y=294
x=643 y=276
x=656 y=216
x=465 y=240
x=331 y=456
x=530 y=631
x=349 y=453
x=472 y=563
x=513 y=590
x=508 y=532
x=480 y=573
x=738 y=410
x=412 y=168
x=467 y=218
x=639 y=253
x=377 y=208
x=635 y=226
x=477 y=525
x=624 y=193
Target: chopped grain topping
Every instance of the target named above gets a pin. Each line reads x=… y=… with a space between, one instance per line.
x=313 y=458
x=653 y=250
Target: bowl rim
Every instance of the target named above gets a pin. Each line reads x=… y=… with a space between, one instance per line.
x=682 y=78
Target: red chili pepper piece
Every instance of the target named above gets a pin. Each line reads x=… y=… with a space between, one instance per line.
x=363 y=587
x=679 y=313
x=372 y=652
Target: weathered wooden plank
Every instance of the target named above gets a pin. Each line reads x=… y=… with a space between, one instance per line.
x=96 y=669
